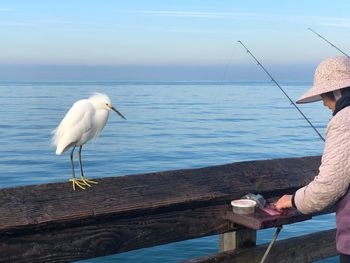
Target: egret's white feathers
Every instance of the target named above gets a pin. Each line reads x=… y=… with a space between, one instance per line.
x=97 y=98
x=84 y=121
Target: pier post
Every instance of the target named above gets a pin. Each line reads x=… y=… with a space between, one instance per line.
x=241 y=238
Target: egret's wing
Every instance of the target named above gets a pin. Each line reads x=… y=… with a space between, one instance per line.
x=76 y=122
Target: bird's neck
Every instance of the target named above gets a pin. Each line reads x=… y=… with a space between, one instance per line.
x=101 y=118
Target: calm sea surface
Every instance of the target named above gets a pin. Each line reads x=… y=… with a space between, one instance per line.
x=170 y=126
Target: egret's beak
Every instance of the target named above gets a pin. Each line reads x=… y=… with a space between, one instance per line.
x=114 y=109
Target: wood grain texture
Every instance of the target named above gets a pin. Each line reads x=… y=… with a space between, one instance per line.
x=114 y=236
x=134 y=211
x=125 y=196
x=308 y=248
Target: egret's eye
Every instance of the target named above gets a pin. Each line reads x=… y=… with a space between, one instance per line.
x=107 y=104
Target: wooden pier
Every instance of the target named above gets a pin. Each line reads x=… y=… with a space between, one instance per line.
x=52 y=223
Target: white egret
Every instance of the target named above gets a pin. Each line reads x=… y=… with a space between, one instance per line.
x=84 y=121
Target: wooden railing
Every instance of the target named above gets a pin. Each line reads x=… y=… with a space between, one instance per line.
x=52 y=223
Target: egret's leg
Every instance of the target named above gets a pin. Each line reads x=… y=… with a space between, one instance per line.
x=71 y=162
x=74 y=180
x=80 y=164
x=83 y=179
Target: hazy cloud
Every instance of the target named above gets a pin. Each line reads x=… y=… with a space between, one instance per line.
x=10 y=23
x=336 y=25
x=191 y=14
x=6 y=9
x=55 y=21
x=323 y=20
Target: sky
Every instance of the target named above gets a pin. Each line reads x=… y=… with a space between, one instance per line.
x=183 y=40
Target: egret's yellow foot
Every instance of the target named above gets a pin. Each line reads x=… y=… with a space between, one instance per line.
x=87 y=182
x=76 y=182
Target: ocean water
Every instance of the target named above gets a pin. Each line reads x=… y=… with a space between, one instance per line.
x=169 y=126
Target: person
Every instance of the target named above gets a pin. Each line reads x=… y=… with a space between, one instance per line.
x=331 y=185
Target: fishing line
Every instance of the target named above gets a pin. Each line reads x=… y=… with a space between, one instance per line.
x=325 y=39
x=272 y=79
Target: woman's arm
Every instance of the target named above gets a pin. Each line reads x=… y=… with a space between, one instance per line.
x=333 y=179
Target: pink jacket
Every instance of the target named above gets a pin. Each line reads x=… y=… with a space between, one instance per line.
x=333 y=180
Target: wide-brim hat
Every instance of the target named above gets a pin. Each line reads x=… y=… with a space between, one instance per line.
x=331 y=74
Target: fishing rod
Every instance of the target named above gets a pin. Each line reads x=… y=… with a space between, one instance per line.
x=259 y=64
x=278 y=230
x=325 y=39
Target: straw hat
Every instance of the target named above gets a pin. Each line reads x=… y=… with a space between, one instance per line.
x=331 y=74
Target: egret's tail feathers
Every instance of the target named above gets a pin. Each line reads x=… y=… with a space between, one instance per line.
x=59 y=151
x=54 y=137
x=61 y=148
x=60 y=141
x=54 y=141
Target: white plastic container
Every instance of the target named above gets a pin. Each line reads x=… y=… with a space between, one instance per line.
x=243 y=206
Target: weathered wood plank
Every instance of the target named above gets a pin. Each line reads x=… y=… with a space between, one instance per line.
x=260 y=219
x=114 y=236
x=306 y=248
x=105 y=237
x=53 y=205
x=52 y=223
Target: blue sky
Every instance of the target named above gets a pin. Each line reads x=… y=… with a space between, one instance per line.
x=159 y=40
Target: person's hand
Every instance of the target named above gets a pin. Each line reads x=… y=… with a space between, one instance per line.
x=284 y=202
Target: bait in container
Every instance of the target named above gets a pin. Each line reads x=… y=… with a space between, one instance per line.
x=243 y=206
